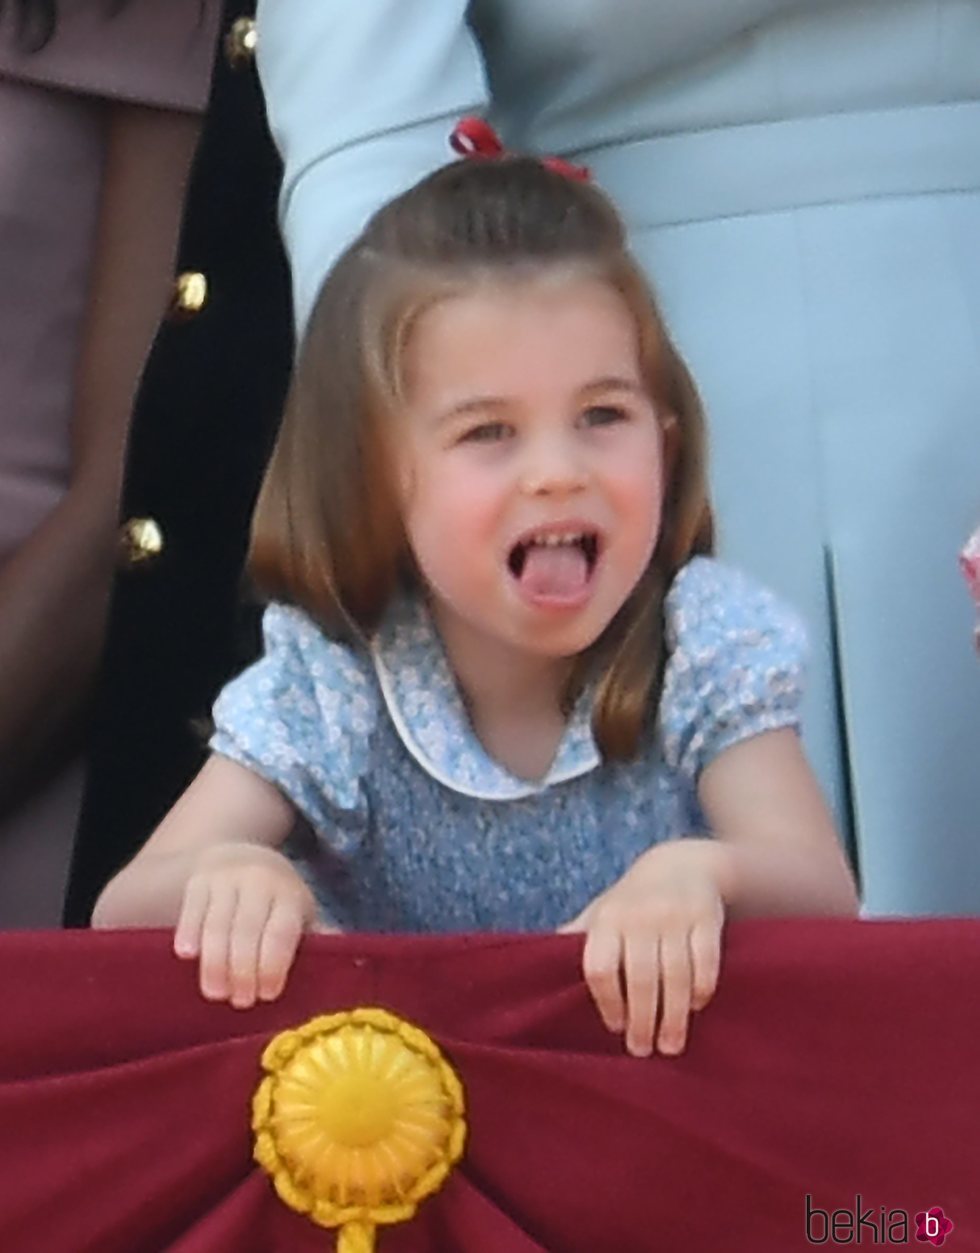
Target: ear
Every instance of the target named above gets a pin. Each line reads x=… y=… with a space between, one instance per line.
x=403 y=476
x=670 y=432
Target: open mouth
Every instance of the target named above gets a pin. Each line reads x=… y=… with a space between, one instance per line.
x=554 y=566
x=586 y=542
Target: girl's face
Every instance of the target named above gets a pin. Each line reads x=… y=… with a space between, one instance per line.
x=532 y=472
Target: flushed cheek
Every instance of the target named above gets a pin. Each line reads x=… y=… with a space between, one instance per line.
x=455 y=534
x=638 y=499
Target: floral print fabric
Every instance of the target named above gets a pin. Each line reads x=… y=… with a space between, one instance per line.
x=416 y=827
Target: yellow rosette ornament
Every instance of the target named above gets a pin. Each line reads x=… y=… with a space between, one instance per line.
x=358 y=1119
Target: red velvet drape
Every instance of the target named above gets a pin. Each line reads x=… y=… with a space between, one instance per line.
x=837 y=1059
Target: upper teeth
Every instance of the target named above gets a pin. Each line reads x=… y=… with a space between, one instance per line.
x=552 y=540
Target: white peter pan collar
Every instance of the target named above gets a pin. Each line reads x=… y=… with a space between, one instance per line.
x=425 y=705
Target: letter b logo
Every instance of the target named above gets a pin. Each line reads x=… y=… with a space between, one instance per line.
x=933 y=1226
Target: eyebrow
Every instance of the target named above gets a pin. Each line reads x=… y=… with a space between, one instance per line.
x=484 y=404
x=475 y=404
x=613 y=383
x=471 y=407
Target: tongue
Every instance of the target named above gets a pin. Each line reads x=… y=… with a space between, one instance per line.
x=559 y=571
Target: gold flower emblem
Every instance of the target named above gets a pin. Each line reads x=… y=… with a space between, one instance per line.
x=358 y=1119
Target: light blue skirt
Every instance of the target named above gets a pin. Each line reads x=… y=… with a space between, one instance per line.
x=822 y=277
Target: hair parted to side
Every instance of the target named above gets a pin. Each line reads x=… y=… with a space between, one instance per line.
x=327 y=532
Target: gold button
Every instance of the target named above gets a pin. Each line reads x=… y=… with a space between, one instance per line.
x=190 y=295
x=140 y=542
x=240 y=43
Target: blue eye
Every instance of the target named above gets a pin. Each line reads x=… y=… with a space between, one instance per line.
x=485 y=433
x=603 y=415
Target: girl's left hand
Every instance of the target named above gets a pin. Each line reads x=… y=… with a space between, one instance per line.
x=661 y=924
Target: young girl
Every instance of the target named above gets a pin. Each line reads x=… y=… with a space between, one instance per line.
x=504 y=685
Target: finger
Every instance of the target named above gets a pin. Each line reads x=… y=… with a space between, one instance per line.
x=705 y=943
x=578 y=924
x=641 y=967
x=320 y=927
x=600 y=966
x=280 y=939
x=675 y=974
x=215 y=936
x=251 y=915
x=187 y=936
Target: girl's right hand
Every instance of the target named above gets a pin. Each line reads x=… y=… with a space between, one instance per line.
x=244 y=910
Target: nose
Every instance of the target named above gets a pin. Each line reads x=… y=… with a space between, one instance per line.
x=553 y=466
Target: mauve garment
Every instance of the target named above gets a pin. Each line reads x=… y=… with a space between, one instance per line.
x=55 y=106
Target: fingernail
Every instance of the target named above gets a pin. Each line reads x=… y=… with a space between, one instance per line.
x=671 y=1046
x=640 y=1050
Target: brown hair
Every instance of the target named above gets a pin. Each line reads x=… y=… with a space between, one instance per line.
x=327 y=533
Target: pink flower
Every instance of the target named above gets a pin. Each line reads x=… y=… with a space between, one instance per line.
x=932 y=1226
x=970 y=565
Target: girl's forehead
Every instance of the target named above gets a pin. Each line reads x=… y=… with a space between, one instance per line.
x=507 y=294
x=562 y=323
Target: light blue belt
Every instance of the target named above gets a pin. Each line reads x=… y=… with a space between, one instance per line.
x=766 y=167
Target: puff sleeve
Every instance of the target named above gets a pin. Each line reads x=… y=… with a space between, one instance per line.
x=302 y=718
x=735 y=667
x=361 y=99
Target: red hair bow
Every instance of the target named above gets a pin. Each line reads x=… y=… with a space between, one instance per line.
x=473 y=137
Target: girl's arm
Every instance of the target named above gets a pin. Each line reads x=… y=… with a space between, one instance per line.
x=214 y=868
x=776 y=851
x=658 y=928
x=226 y=812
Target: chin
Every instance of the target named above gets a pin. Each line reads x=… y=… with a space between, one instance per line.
x=565 y=641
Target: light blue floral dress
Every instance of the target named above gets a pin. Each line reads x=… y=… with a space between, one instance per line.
x=415 y=828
